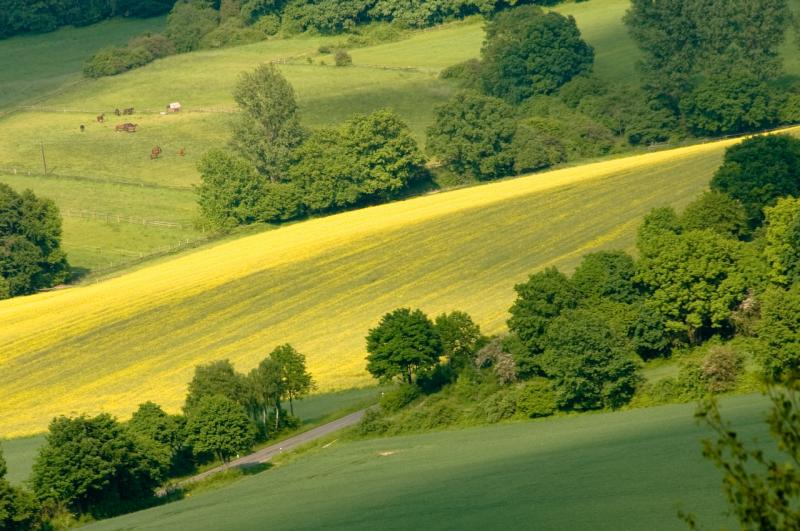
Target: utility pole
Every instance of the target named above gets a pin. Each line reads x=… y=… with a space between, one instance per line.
x=44 y=161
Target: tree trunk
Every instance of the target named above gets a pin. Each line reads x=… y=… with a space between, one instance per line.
x=291 y=405
x=277 y=413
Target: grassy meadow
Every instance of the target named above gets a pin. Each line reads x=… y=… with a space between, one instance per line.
x=623 y=470
x=321 y=285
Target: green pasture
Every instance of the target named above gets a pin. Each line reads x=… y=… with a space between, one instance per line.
x=623 y=470
x=20 y=453
x=33 y=66
x=401 y=75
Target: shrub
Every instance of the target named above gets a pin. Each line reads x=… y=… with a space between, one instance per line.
x=156 y=44
x=187 y=24
x=398 y=398
x=115 y=60
x=342 y=58
x=268 y=25
x=499 y=406
x=232 y=32
x=535 y=148
x=720 y=369
x=467 y=74
x=373 y=423
x=536 y=398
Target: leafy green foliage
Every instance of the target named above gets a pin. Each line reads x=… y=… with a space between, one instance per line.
x=540 y=300
x=590 y=366
x=188 y=23
x=112 y=61
x=460 y=338
x=762 y=488
x=473 y=134
x=265 y=389
x=535 y=147
x=18 y=509
x=782 y=241
x=230 y=189
x=342 y=58
x=296 y=381
x=529 y=52
x=268 y=127
x=606 y=274
x=403 y=343
x=219 y=426
x=30 y=238
x=716 y=211
x=536 y=398
x=369 y=157
x=166 y=435
x=399 y=397
x=780 y=332
x=758 y=171
x=730 y=103
x=693 y=280
x=91 y=465
x=496 y=357
x=212 y=379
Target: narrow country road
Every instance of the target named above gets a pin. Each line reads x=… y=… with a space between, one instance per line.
x=265 y=454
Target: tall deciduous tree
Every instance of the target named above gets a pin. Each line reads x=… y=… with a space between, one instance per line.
x=215 y=378
x=782 y=248
x=716 y=211
x=93 y=466
x=473 y=134
x=268 y=127
x=460 y=338
x=693 y=279
x=590 y=366
x=759 y=171
x=607 y=274
x=220 y=426
x=540 y=300
x=403 y=343
x=30 y=243
x=296 y=381
x=529 y=52
x=266 y=389
x=779 y=330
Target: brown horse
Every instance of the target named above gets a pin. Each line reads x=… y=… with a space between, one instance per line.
x=127 y=127
x=155 y=152
x=117 y=112
x=129 y=110
x=182 y=152
x=101 y=118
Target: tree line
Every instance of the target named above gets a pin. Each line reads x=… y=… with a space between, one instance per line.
x=196 y=24
x=727 y=267
x=41 y=16
x=98 y=467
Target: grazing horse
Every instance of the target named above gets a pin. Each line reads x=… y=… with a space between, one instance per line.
x=117 y=112
x=83 y=128
x=129 y=110
x=127 y=127
x=155 y=152
x=182 y=152
x=101 y=118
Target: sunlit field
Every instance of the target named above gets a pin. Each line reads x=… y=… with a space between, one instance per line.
x=321 y=285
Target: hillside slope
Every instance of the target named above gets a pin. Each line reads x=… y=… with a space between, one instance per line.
x=321 y=285
x=623 y=470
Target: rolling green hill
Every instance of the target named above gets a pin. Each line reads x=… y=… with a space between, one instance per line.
x=321 y=285
x=625 y=470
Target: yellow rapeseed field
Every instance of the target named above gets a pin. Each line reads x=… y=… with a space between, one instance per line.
x=320 y=285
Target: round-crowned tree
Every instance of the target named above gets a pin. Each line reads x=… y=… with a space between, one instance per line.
x=404 y=342
x=529 y=52
x=219 y=426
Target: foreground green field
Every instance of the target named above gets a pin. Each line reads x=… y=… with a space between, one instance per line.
x=321 y=285
x=624 y=470
x=20 y=453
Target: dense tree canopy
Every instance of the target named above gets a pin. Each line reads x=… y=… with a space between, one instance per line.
x=589 y=365
x=529 y=52
x=92 y=465
x=540 y=300
x=782 y=241
x=758 y=171
x=212 y=379
x=607 y=274
x=693 y=279
x=460 y=338
x=716 y=211
x=780 y=331
x=268 y=127
x=18 y=509
x=403 y=343
x=30 y=237
x=220 y=427
x=472 y=134
x=295 y=380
